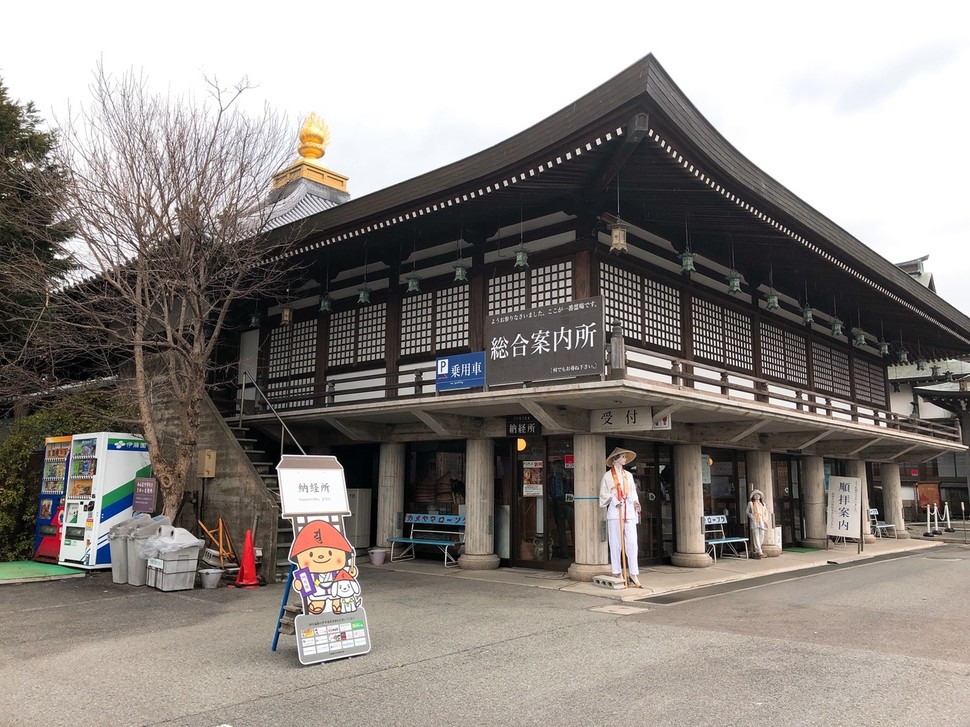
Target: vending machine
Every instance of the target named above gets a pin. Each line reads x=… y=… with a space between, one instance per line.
x=50 y=504
x=101 y=475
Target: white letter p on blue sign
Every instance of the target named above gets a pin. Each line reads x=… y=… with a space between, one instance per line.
x=442 y=366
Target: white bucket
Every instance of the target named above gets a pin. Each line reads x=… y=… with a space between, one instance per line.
x=210 y=577
x=377 y=555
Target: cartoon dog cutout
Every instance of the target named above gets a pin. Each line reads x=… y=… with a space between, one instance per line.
x=344 y=593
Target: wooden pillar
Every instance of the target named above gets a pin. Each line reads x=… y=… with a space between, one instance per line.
x=813 y=501
x=759 y=478
x=479 y=506
x=590 y=523
x=857 y=468
x=892 y=498
x=691 y=551
x=390 y=493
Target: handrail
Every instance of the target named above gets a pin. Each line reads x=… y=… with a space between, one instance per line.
x=242 y=403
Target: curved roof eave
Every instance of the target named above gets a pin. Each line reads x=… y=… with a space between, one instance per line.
x=643 y=86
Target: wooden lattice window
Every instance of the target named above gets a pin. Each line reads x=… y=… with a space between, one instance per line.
x=372 y=332
x=841 y=385
x=737 y=340
x=343 y=328
x=552 y=284
x=622 y=293
x=772 y=351
x=452 y=316
x=796 y=359
x=358 y=335
x=417 y=324
x=870 y=385
x=707 y=329
x=661 y=315
x=507 y=293
x=292 y=349
x=822 y=367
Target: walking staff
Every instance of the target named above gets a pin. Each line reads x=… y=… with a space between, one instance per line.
x=618 y=494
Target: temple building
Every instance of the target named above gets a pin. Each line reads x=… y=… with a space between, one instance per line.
x=476 y=340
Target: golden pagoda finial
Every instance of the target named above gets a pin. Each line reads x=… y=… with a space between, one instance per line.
x=314 y=138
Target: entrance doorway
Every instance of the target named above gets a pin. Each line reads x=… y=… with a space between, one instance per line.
x=543 y=517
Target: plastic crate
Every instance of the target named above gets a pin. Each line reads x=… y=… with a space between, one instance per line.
x=173 y=571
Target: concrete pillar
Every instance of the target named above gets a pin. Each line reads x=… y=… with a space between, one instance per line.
x=390 y=493
x=813 y=501
x=590 y=526
x=689 y=506
x=857 y=468
x=892 y=498
x=479 y=506
x=758 y=468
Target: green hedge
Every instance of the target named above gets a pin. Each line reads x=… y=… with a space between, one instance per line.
x=94 y=411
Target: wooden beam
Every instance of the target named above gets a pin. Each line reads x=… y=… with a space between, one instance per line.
x=555 y=418
x=357 y=431
x=450 y=425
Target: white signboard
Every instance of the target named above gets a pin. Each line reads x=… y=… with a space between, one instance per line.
x=844 y=507
x=312 y=485
x=626 y=419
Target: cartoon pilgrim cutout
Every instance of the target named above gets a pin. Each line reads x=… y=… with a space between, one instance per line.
x=333 y=624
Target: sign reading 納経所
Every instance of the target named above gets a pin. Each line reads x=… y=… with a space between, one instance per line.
x=552 y=342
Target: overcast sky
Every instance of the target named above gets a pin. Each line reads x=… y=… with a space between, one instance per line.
x=858 y=108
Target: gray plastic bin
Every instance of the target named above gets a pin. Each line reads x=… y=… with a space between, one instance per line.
x=118 y=537
x=137 y=565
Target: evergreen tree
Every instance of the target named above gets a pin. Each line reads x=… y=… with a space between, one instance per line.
x=31 y=237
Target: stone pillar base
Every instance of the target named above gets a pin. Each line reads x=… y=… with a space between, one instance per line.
x=771 y=550
x=692 y=560
x=585 y=573
x=814 y=543
x=902 y=533
x=869 y=538
x=489 y=561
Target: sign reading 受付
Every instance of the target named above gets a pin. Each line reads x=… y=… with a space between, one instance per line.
x=553 y=342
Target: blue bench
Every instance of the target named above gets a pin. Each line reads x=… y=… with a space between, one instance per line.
x=715 y=540
x=441 y=531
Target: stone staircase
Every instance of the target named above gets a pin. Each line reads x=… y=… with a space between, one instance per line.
x=255 y=451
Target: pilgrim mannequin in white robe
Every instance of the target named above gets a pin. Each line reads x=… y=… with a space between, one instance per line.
x=618 y=494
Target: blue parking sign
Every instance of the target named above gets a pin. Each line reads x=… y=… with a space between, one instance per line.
x=464 y=371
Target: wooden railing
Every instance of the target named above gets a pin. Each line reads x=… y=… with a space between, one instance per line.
x=629 y=364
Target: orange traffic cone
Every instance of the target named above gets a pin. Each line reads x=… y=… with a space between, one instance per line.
x=246 y=577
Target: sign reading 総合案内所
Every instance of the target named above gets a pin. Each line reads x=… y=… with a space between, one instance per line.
x=559 y=341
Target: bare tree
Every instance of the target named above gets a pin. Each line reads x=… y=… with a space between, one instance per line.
x=168 y=199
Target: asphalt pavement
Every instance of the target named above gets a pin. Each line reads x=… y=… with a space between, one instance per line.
x=446 y=643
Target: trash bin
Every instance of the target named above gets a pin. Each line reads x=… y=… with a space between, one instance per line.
x=137 y=564
x=172 y=559
x=118 y=537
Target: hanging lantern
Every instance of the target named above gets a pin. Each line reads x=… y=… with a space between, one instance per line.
x=286 y=316
x=920 y=364
x=772 y=299
x=903 y=357
x=618 y=239
x=326 y=303
x=254 y=320
x=858 y=337
x=883 y=347
x=807 y=314
x=734 y=282
x=414 y=284
x=686 y=263
x=521 y=258
x=461 y=273
x=836 y=326
x=363 y=295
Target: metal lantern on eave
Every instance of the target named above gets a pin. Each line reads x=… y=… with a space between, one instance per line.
x=734 y=282
x=618 y=243
x=414 y=284
x=461 y=273
x=771 y=300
